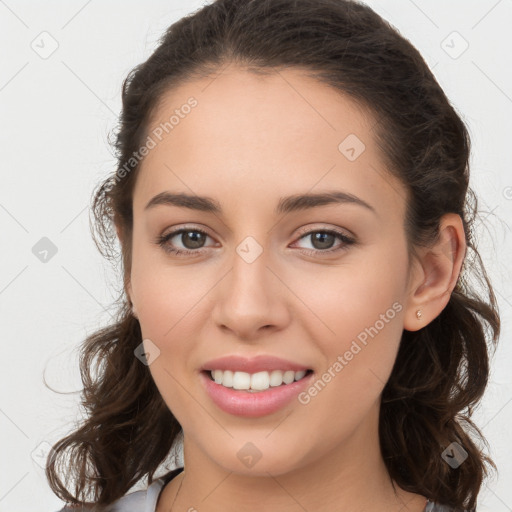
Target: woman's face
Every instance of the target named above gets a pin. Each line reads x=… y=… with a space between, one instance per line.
x=321 y=284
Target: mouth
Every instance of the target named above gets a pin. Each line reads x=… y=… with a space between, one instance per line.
x=234 y=393
x=254 y=386
x=255 y=382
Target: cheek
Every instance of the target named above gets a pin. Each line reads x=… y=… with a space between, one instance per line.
x=173 y=384
x=166 y=293
x=356 y=312
x=168 y=302
x=359 y=352
x=343 y=302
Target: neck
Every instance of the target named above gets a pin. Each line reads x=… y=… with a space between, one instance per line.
x=351 y=477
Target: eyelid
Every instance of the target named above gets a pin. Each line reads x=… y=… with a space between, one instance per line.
x=342 y=231
x=302 y=231
x=177 y=229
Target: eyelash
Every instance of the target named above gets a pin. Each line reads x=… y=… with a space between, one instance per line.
x=162 y=241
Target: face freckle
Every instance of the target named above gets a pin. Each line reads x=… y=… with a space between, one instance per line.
x=262 y=283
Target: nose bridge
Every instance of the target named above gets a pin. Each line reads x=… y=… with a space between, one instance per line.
x=251 y=254
x=248 y=297
x=249 y=281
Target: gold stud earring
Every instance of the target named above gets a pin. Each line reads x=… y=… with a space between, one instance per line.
x=418 y=314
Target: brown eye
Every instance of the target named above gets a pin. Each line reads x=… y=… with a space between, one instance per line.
x=192 y=240
x=323 y=241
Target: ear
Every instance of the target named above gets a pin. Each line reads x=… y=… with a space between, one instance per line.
x=436 y=273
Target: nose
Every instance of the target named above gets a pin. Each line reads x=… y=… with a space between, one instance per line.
x=251 y=300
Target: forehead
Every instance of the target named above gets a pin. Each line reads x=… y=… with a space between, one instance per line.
x=249 y=135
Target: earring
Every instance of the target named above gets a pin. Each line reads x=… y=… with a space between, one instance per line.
x=418 y=314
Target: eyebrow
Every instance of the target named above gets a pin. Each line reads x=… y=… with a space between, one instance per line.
x=285 y=205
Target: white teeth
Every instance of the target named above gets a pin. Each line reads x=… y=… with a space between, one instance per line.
x=241 y=380
x=226 y=378
x=217 y=376
x=288 y=377
x=300 y=374
x=259 y=381
x=276 y=378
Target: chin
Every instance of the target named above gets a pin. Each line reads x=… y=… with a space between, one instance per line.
x=258 y=458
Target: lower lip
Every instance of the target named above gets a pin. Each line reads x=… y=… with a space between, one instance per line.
x=252 y=405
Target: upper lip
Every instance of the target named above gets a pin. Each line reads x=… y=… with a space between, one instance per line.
x=252 y=364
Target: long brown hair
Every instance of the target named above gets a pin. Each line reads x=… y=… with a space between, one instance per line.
x=441 y=371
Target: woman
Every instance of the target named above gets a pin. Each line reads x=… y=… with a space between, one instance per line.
x=293 y=209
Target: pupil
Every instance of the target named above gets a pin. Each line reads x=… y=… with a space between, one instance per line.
x=321 y=238
x=196 y=239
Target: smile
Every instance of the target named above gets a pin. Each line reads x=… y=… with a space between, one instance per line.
x=252 y=403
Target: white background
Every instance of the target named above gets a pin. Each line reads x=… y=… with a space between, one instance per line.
x=56 y=114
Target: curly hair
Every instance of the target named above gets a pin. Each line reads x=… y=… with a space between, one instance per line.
x=441 y=371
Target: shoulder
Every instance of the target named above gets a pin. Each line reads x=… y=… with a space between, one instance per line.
x=137 y=501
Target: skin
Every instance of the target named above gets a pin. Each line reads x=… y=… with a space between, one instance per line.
x=248 y=142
